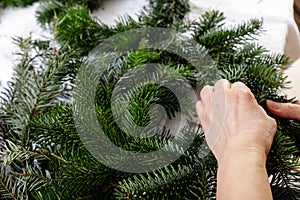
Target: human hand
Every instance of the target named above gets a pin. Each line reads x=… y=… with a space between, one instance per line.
x=285 y=110
x=233 y=122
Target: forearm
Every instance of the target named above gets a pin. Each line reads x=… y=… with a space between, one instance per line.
x=243 y=175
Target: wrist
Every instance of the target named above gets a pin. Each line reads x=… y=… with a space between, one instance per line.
x=247 y=156
x=243 y=173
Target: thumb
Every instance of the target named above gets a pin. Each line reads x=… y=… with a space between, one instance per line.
x=285 y=110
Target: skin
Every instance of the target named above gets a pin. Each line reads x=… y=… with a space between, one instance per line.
x=285 y=110
x=240 y=135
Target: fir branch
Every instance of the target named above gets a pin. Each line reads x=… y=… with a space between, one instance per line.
x=174 y=181
x=50 y=10
x=225 y=40
x=209 y=21
x=16 y=3
x=79 y=30
x=5 y=192
x=163 y=13
x=27 y=98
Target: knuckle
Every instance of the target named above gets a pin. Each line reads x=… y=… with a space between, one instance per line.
x=244 y=93
x=222 y=81
x=290 y=107
x=273 y=124
x=239 y=84
x=206 y=91
x=198 y=105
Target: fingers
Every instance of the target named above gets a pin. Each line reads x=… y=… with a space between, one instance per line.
x=222 y=84
x=286 y=110
x=206 y=94
x=204 y=106
x=202 y=114
x=209 y=94
x=240 y=86
x=207 y=91
x=242 y=91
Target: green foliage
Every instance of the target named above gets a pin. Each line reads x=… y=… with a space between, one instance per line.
x=41 y=153
x=170 y=183
x=39 y=81
x=228 y=38
x=164 y=13
x=92 y=4
x=50 y=10
x=17 y=3
x=79 y=29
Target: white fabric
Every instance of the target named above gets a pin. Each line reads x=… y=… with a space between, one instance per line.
x=15 y=22
x=293 y=74
x=111 y=10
